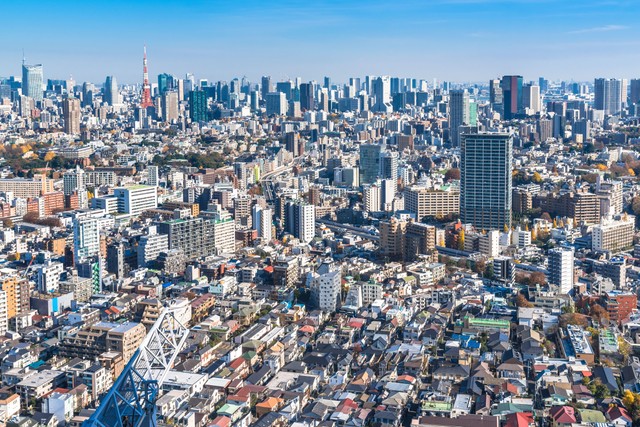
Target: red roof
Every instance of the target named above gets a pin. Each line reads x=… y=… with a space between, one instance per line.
x=519 y=419
x=221 y=421
x=307 y=329
x=406 y=378
x=563 y=414
x=237 y=363
x=616 y=412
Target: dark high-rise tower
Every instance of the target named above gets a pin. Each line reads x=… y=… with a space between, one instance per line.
x=146 y=87
x=485 y=180
x=307 y=101
x=608 y=96
x=512 y=96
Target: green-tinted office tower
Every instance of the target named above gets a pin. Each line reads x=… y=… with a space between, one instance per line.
x=198 y=106
x=369 y=163
x=165 y=83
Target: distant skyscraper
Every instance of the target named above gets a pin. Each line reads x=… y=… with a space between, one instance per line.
x=170 y=106
x=608 y=96
x=165 y=83
x=560 y=266
x=32 y=78
x=369 y=163
x=634 y=91
x=531 y=98
x=71 y=110
x=265 y=86
x=276 y=104
x=198 y=106
x=382 y=94
x=458 y=114
x=307 y=101
x=485 y=180
x=512 y=96
x=544 y=84
x=111 y=93
x=495 y=94
x=146 y=87
x=286 y=87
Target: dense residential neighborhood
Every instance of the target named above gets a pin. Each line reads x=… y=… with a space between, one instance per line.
x=378 y=252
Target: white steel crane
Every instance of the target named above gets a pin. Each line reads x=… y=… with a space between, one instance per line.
x=131 y=402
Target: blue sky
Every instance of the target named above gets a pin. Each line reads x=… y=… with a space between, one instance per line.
x=456 y=40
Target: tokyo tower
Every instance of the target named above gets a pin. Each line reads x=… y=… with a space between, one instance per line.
x=146 y=88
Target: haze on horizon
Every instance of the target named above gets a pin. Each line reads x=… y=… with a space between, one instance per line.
x=454 y=40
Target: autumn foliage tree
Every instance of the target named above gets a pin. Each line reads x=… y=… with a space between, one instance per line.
x=521 y=301
x=631 y=402
x=598 y=313
x=573 y=319
x=452 y=174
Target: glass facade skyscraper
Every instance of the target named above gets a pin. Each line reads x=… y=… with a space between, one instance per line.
x=608 y=96
x=369 y=162
x=485 y=179
x=511 y=96
x=32 y=79
x=458 y=114
x=198 y=106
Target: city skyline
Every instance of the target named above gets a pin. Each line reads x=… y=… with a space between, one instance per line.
x=453 y=40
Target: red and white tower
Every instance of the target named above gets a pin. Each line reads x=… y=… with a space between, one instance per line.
x=146 y=88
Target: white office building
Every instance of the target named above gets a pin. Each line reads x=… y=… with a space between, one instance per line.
x=325 y=291
x=151 y=245
x=135 y=199
x=263 y=222
x=153 y=175
x=86 y=238
x=561 y=268
x=48 y=278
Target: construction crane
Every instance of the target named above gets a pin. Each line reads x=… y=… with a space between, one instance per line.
x=131 y=402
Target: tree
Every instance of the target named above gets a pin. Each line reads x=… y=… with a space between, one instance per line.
x=635 y=205
x=537 y=178
x=7 y=223
x=537 y=277
x=573 y=319
x=599 y=313
x=625 y=350
x=452 y=174
x=461 y=239
x=599 y=390
x=31 y=217
x=521 y=301
x=480 y=266
x=49 y=156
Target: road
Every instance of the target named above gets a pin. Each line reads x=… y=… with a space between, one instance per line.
x=358 y=231
x=267 y=179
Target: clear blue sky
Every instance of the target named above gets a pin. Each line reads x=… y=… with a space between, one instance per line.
x=456 y=40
